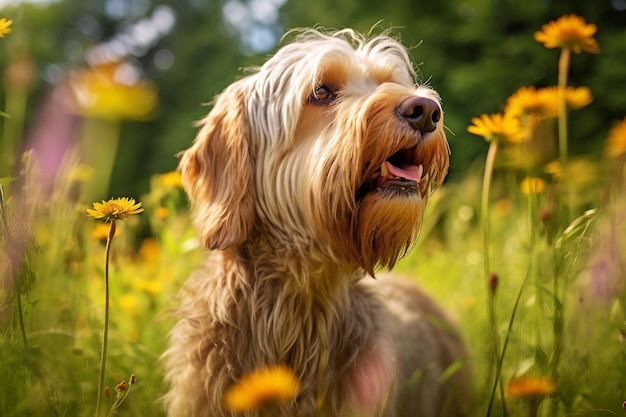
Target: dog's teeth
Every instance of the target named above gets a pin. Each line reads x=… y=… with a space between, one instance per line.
x=420 y=170
x=384 y=171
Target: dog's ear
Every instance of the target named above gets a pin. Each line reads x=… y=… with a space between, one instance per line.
x=217 y=173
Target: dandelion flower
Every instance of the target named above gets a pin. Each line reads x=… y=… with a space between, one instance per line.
x=531 y=386
x=575 y=98
x=276 y=383
x=106 y=91
x=130 y=304
x=151 y=286
x=5 y=26
x=497 y=126
x=524 y=101
x=545 y=101
x=569 y=32
x=171 y=179
x=533 y=185
x=162 y=213
x=115 y=209
x=616 y=142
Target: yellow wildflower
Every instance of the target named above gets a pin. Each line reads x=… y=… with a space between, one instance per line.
x=171 y=179
x=150 y=286
x=616 y=142
x=105 y=91
x=115 y=209
x=149 y=250
x=497 y=126
x=575 y=98
x=545 y=101
x=531 y=386
x=533 y=185
x=162 y=213
x=277 y=383
x=554 y=168
x=569 y=32
x=524 y=101
x=130 y=304
x=4 y=26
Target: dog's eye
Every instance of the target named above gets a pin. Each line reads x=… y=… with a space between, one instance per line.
x=323 y=94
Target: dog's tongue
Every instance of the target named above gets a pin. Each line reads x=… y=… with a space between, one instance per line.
x=410 y=172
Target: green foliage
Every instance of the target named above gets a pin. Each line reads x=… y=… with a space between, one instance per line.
x=55 y=372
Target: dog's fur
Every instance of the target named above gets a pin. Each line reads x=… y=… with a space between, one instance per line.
x=286 y=188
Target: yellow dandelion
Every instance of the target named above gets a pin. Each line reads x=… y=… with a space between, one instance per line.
x=554 y=168
x=616 y=142
x=149 y=250
x=497 y=126
x=533 y=185
x=277 y=383
x=575 y=98
x=569 y=32
x=115 y=209
x=130 y=304
x=531 y=386
x=162 y=213
x=524 y=101
x=149 y=286
x=171 y=179
x=152 y=286
x=107 y=91
x=545 y=101
x=5 y=26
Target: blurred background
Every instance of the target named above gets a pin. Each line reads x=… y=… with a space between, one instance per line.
x=126 y=79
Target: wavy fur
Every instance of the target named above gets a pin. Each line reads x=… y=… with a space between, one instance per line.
x=278 y=184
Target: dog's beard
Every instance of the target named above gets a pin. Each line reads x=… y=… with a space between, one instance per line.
x=389 y=221
x=371 y=221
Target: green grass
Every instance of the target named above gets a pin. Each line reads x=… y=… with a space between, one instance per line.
x=55 y=373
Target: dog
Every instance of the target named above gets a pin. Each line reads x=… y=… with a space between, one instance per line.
x=308 y=176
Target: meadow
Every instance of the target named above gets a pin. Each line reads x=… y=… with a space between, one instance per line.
x=527 y=251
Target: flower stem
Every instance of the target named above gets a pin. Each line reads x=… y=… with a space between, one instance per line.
x=489 y=163
x=105 y=335
x=564 y=60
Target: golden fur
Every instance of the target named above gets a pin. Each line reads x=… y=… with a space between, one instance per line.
x=282 y=180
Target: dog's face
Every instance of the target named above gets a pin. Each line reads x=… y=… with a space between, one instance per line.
x=329 y=147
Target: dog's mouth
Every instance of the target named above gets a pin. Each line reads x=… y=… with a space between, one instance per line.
x=402 y=171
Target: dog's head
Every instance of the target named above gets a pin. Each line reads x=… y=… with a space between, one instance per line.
x=329 y=146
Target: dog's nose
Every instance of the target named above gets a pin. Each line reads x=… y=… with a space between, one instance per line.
x=422 y=113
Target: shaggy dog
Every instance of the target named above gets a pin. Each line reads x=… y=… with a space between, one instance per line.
x=308 y=175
